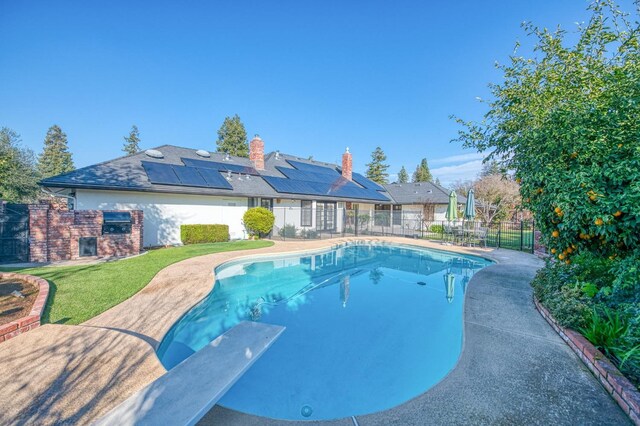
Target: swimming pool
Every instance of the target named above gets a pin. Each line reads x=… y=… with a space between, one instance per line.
x=368 y=327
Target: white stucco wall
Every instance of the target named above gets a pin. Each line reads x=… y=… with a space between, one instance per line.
x=438 y=215
x=164 y=213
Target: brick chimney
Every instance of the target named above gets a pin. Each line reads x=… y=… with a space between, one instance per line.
x=256 y=152
x=347 y=164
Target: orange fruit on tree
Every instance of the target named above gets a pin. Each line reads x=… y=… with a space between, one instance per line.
x=561 y=256
x=553 y=251
x=568 y=261
x=618 y=213
x=555 y=234
x=599 y=222
x=569 y=250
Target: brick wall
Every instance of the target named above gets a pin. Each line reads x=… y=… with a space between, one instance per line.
x=31 y=321
x=55 y=233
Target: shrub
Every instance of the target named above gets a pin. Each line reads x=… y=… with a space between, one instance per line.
x=196 y=234
x=258 y=221
x=310 y=234
x=287 y=231
x=437 y=228
x=557 y=288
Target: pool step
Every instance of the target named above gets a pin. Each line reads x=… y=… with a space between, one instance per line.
x=188 y=391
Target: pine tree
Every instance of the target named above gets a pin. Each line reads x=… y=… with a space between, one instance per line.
x=232 y=137
x=403 y=176
x=490 y=168
x=132 y=142
x=437 y=182
x=377 y=169
x=422 y=173
x=18 y=173
x=55 y=158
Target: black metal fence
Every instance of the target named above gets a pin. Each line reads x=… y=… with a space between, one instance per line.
x=331 y=222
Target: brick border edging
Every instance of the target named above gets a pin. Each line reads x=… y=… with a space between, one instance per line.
x=618 y=386
x=31 y=321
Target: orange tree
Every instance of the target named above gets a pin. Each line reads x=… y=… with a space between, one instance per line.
x=566 y=121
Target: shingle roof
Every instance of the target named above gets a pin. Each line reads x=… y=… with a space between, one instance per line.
x=127 y=173
x=420 y=193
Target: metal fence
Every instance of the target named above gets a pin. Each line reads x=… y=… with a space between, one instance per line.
x=328 y=221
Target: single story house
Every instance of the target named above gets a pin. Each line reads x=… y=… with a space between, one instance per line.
x=176 y=185
x=426 y=200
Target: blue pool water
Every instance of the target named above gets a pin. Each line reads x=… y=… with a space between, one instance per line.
x=367 y=328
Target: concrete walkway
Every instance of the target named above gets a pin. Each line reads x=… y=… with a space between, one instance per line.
x=513 y=369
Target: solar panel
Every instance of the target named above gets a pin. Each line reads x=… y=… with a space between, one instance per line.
x=169 y=174
x=291 y=186
x=189 y=176
x=215 y=165
x=366 y=182
x=313 y=168
x=344 y=189
x=311 y=176
x=160 y=173
x=214 y=179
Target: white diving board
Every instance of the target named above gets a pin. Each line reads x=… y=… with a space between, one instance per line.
x=188 y=391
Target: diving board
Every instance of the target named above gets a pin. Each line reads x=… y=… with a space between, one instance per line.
x=189 y=390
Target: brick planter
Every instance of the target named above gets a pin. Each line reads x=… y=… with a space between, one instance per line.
x=620 y=388
x=31 y=321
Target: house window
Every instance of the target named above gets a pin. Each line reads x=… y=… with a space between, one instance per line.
x=267 y=203
x=253 y=202
x=397 y=214
x=325 y=216
x=306 y=208
x=382 y=215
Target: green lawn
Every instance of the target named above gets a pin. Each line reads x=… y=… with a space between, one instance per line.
x=78 y=293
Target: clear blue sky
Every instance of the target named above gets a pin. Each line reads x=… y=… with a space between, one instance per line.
x=310 y=77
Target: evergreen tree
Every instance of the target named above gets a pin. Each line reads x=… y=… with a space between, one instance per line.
x=490 y=168
x=403 y=176
x=55 y=158
x=422 y=173
x=232 y=137
x=437 y=182
x=377 y=169
x=18 y=173
x=132 y=142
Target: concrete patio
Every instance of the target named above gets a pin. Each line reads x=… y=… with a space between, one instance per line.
x=514 y=369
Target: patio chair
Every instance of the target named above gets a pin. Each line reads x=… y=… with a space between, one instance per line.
x=481 y=235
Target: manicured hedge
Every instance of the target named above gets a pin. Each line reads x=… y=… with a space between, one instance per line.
x=195 y=234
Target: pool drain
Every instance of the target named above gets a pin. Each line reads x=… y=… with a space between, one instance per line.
x=421 y=283
x=306 y=411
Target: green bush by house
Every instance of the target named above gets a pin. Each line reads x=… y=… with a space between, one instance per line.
x=258 y=221
x=197 y=234
x=288 y=231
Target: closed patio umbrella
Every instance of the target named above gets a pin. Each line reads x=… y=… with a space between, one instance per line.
x=470 y=207
x=452 y=208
